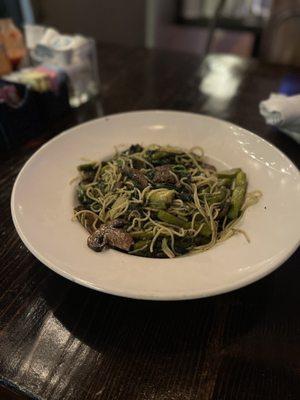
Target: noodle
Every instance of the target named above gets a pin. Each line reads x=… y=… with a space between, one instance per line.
x=165 y=201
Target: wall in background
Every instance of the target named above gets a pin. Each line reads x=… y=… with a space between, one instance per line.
x=116 y=21
x=281 y=38
x=148 y=23
x=163 y=32
x=11 y=9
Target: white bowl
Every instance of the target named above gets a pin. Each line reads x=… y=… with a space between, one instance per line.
x=43 y=199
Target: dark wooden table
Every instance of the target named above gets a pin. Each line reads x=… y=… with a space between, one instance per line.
x=59 y=340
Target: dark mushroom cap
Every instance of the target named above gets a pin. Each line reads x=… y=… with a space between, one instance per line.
x=163 y=174
x=137 y=176
x=109 y=235
x=97 y=240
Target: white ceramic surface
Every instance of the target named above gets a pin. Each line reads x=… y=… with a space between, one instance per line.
x=43 y=199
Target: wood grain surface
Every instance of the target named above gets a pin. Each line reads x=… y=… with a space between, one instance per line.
x=59 y=340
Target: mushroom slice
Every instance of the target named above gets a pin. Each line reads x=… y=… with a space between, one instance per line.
x=137 y=176
x=108 y=235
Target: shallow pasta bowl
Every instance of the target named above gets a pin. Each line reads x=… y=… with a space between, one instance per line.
x=43 y=199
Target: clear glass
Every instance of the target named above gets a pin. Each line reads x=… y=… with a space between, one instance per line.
x=80 y=64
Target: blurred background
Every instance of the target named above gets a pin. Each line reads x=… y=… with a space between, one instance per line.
x=260 y=28
x=64 y=62
x=58 y=55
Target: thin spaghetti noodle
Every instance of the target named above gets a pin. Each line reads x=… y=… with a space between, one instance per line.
x=167 y=200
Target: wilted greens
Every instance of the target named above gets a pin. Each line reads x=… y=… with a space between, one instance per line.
x=160 y=201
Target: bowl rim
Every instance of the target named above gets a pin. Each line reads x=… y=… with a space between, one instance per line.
x=225 y=288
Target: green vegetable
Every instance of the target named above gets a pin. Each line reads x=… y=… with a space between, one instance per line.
x=216 y=197
x=157 y=191
x=204 y=190
x=241 y=179
x=161 y=198
x=200 y=240
x=183 y=244
x=82 y=198
x=87 y=171
x=185 y=196
x=172 y=219
x=225 y=182
x=180 y=170
x=159 y=155
x=120 y=203
x=238 y=195
x=87 y=167
x=134 y=148
x=141 y=243
x=205 y=231
x=230 y=173
x=163 y=186
x=141 y=235
x=166 y=249
x=86 y=220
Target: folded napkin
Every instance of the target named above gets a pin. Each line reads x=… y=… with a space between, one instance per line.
x=284 y=113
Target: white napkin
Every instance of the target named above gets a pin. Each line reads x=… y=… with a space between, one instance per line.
x=55 y=40
x=284 y=113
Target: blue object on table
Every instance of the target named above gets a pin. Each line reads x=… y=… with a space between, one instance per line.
x=290 y=84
